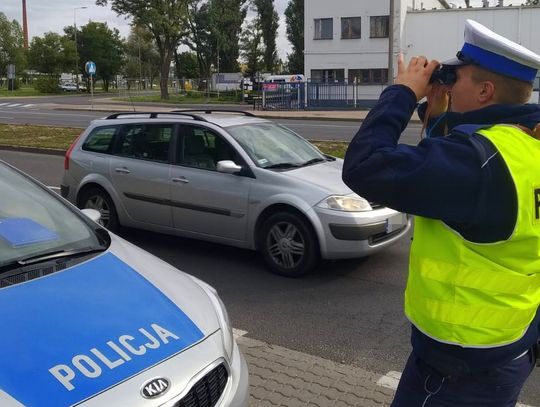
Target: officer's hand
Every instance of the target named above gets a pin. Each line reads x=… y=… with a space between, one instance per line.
x=416 y=75
x=438 y=99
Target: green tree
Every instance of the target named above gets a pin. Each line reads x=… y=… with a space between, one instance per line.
x=252 y=48
x=200 y=39
x=11 y=45
x=98 y=43
x=186 y=65
x=294 y=18
x=269 y=22
x=227 y=17
x=142 y=58
x=51 y=54
x=165 y=19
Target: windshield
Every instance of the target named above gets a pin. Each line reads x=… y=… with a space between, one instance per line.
x=34 y=222
x=270 y=145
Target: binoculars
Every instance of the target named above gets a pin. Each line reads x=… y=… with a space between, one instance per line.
x=445 y=75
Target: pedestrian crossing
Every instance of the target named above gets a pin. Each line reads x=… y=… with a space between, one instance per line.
x=7 y=105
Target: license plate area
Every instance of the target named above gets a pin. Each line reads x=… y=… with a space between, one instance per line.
x=396 y=222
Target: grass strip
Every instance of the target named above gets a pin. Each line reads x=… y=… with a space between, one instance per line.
x=60 y=138
x=32 y=136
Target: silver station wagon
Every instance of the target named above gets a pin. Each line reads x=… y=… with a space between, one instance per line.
x=226 y=177
x=92 y=320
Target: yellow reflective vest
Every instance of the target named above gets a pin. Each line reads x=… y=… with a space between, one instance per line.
x=481 y=295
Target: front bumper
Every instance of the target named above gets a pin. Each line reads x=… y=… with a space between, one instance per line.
x=179 y=370
x=357 y=234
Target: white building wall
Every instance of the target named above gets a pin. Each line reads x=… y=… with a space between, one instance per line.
x=337 y=53
x=418 y=30
x=519 y=24
x=361 y=53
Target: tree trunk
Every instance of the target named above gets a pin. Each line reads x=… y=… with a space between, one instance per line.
x=164 y=70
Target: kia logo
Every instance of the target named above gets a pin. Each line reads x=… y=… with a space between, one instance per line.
x=155 y=388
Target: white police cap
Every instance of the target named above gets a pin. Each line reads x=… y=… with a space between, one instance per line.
x=496 y=53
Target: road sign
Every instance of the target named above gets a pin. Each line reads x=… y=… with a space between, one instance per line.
x=90 y=68
x=11 y=71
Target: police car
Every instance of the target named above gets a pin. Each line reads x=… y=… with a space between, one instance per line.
x=90 y=319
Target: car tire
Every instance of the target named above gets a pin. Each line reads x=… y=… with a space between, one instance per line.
x=98 y=199
x=288 y=244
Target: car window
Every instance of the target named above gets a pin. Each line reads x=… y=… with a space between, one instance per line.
x=33 y=221
x=202 y=148
x=268 y=145
x=100 y=139
x=145 y=141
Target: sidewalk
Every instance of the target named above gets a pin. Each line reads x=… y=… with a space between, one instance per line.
x=283 y=377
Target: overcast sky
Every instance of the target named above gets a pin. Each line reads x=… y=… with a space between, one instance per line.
x=54 y=15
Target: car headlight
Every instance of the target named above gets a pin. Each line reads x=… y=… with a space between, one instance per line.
x=345 y=203
x=223 y=317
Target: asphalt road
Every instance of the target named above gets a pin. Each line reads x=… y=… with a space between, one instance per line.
x=347 y=311
x=39 y=113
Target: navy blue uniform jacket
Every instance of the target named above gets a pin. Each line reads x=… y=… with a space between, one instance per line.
x=459 y=179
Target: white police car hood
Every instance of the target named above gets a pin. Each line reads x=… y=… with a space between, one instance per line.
x=78 y=332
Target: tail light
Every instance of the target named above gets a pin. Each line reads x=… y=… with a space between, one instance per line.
x=68 y=152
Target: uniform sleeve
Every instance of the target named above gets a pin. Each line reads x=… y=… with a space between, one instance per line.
x=439 y=178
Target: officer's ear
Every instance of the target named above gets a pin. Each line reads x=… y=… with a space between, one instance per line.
x=487 y=92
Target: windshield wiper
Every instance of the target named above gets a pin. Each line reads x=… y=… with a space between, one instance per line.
x=313 y=161
x=283 y=165
x=57 y=255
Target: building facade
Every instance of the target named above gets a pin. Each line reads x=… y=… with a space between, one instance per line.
x=349 y=41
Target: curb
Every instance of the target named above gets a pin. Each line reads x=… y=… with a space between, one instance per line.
x=315 y=115
x=35 y=150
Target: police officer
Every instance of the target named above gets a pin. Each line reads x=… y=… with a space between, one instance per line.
x=473 y=290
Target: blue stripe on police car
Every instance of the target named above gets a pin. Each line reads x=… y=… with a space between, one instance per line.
x=78 y=332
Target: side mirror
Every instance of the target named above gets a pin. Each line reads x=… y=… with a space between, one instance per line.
x=228 y=166
x=92 y=214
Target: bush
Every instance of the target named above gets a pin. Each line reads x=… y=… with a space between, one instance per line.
x=230 y=96
x=47 y=84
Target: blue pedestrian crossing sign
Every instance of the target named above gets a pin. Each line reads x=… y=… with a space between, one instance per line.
x=90 y=68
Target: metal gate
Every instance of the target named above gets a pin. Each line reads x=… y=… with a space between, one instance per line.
x=283 y=96
x=316 y=95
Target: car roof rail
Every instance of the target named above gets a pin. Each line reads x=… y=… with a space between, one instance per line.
x=210 y=111
x=154 y=115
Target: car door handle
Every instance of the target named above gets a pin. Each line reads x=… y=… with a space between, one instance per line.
x=182 y=180
x=122 y=170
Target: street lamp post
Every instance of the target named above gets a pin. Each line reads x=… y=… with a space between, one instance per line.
x=76 y=56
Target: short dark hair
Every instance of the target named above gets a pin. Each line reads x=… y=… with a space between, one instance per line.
x=508 y=90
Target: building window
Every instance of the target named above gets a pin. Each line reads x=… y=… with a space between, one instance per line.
x=379 y=26
x=328 y=75
x=368 y=76
x=350 y=28
x=324 y=29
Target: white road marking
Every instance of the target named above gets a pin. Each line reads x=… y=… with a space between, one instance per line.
x=238 y=333
x=14 y=105
x=391 y=380
x=28 y=105
x=2 y=104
